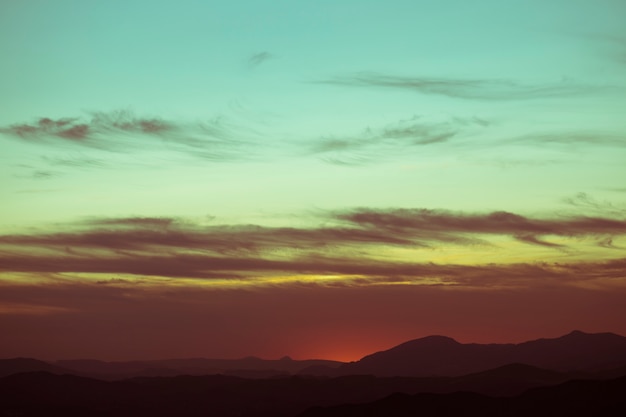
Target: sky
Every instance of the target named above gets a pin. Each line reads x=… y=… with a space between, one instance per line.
x=318 y=179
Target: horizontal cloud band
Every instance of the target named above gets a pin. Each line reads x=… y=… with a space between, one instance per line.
x=170 y=247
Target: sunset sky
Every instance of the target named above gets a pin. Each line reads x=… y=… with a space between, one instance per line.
x=313 y=178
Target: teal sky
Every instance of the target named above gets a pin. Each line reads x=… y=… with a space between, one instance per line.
x=277 y=119
x=538 y=117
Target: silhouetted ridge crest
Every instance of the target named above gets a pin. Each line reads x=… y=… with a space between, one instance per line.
x=577 y=334
x=443 y=356
x=18 y=365
x=430 y=341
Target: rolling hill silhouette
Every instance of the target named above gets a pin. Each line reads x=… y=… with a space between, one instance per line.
x=573 y=398
x=45 y=394
x=250 y=367
x=582 y=374
x=443 y=356
x=17 y=365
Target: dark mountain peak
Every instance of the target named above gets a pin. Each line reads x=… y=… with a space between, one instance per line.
x=577 y=334
x=21 y=360
x=429 y=341
x=424 y=344
x=18 y=365
x=578 y=339
x=439 y=339
x=443 y=356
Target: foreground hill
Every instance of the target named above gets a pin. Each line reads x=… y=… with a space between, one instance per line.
x=443 y=356
x=45 y=394
x=574 y=398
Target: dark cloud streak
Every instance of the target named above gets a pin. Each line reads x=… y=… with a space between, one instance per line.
x=470 y=89
x=170 y=247
x=433 y=223
x=399 y=227
x=370 y=271
x=375 y=144
x=259 y=58
x=122 y=131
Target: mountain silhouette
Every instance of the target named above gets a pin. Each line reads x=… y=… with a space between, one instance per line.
x=18 y=365
x=250 y=367
x=512 y=379
x=576 y=374
x=443 y=356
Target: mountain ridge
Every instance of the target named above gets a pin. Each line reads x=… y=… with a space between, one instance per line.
x=444 y=356
x=434 y=355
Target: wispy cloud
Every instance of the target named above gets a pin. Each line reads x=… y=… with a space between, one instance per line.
x=571 y=138
x=62 y=128
x=75 y=129
x=122 y=131
x=259 y=58
x=43 y=174
x=168 y=234
x=586 y=203
x=439 y=224
x=375 y=144
x=349 y=271
x=176 y=248
x=74 y=161
x=473 y=89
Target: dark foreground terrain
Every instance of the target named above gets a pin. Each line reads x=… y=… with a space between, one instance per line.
x=574 y=398
x=46 y=394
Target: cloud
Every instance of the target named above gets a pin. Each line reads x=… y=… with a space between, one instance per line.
x=74 y=161
x=440 y=224
x=375 y=144
x=259 y=58
x=586 y=203
x=150 y=234
x=256 y=271
x=575 y=138
x=140 y=222
x=347 y=246
x=344 y=229
x=471 y=89
x=13 y=308
x=122 y=131
x=43 y=174
x=74 y=129
x=536 y=241
x=62 y=128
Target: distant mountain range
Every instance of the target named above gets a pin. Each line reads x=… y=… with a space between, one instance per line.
x=426 y=357
x=19 y=365
x=443 y=356
x=250 y=367
x=576 y=374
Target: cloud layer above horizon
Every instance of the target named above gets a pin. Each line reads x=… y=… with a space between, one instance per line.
x=278 y=168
